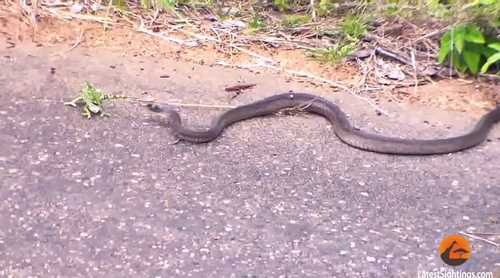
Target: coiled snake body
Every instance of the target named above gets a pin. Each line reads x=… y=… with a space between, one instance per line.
x=341 y=125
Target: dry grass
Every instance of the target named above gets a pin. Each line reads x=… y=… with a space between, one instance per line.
x=396 y=59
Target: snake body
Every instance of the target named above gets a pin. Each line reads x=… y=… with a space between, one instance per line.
x=341 y=125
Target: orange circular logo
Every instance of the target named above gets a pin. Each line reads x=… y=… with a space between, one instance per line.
x=455 y=250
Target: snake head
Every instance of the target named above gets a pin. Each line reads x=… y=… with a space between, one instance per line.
x=154 y=107
x=160 y=108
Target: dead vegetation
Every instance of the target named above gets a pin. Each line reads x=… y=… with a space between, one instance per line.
x=383 y=54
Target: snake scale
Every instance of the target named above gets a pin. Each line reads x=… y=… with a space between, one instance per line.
x=341 y=125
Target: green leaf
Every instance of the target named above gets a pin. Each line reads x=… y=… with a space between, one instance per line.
x=457 y=61
x=486 y=51
x=473 y=34
x=433 y=4
x=445 y=47
x=480 y=49
x=495 y=45
x=474 y=3
x=492 y=60
x=167 y=4
x=458 y=36
x=472 y=60
x=487 y=2
x=120 y=4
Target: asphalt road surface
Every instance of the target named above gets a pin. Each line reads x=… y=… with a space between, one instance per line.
x=278 y=196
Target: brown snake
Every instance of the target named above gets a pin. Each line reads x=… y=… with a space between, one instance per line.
x=343 y=129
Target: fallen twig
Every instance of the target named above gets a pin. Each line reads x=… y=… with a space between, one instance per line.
x=165 y=38
x=428 y=35
x=479 y=238
x=239 y=87
x=67 y=15
x=303 y=74
x=487 y=234
x=231 y=45
x=56 y=5
x=199 y=105
x=77 y=42
x=365 y=69
x=32 y=13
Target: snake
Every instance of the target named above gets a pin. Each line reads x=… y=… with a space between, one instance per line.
x=346 y=132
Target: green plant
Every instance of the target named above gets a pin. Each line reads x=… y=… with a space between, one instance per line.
x=468 y=49
x=257 y=23
x=295 y=20
x=167 y=4
x=335 y=53
x=493 y=59
x=325 y=6
x=281 y=4
x=437 y=9
x=120 y=5
x=210 y=3
x=353 y=27
x=391 y=10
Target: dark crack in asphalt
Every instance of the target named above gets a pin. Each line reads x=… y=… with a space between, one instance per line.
x=272 y=197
